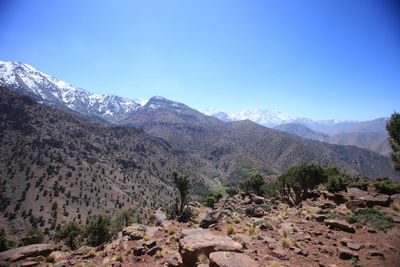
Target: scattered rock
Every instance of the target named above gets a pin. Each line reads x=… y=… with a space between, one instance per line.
x=134 y=231
x=346 y=254
x=158 y=218
x=197 y=231
x=258 y=200
x=27 y=251
x=28 y=263
x=354 y=246
x=231 y=259
x=152 y=251
x=212 y=217
x=150 y=243
x=341 y=225
x=192 y=245
x=138 y=250
x=376 y=253
x=319 y=217
x=279 y=253
x=175 y=260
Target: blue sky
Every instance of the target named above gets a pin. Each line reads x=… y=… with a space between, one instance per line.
x=318 y=59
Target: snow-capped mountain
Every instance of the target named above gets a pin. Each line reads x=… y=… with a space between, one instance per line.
x=48 y=90
x=269 y=118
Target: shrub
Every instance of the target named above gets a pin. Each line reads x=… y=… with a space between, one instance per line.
x=122 y=220
x=386 y=186
x=179 y=209
x=212 y=198
x=393 y=128
x=98 y=230
x=5 y=244
x=336 y=183
x=34 y=236
x=70 y=233
x=253 y=185
x=231 y=191
x=374 y=218
x=293 y=186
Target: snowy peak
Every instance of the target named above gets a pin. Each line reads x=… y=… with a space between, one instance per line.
x=48 y=90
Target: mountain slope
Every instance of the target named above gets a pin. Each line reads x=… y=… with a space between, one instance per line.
x=56 y=168
x=245 y=144
x=26 y=80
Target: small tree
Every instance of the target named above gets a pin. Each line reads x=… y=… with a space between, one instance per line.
x=253 y=185
x=294 y=185
x=5 y=244
x=70 y=233
x=336 y=181
x=393 y=128
x=178 y=209
x=123 y=219
x=98 y=230
x=34 y=236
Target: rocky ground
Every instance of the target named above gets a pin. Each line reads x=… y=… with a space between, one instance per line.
x=243 y=230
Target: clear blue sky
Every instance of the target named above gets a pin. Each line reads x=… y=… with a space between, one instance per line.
x=317 y=59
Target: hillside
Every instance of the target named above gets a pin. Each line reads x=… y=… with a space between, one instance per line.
x=56 y=168
x=234 y=146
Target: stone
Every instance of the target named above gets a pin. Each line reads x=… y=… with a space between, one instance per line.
x=151 y=231
x=279 y=253
x=354 y=246
x=376 y=253
x=212 y=217
x=319 y=217
x=395 y=198
x=28 y=263
x=231 y=259
x=198 y=231
x=346 y=254
x=27 y=251
x=341 y=225
x=355 y=203
x=138 y=250
x=134 y=231
x=364 y=198
x=152 y=251
x=150 y=243
x=271 y=243
x=175 y=260
x=258 y=200
x=258 y=212
x=158 y=218
x=192 y=245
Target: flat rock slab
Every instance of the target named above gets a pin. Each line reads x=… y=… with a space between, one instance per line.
x=27 y=251
x=231 y=259
x=341 y=225
x=346 y=254
x=197 y=231
x=192 y=245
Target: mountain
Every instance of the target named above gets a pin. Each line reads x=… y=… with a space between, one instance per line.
x=360 y=139
x=237 y=146
x=55 y=168
x=26 y=80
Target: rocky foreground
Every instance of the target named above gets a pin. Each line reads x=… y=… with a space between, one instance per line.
x=243 y=230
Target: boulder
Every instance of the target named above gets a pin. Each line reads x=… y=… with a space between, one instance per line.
x=346 y=254
x=364 y=198
x=198 y=231
x=376 y=253
x=355 y=203
x=395 y=198
x=27 y=251
x=158 y=218
x=175 y=260
x=319 y=217
x=192 y=245
x=212 y=217
x=258 y=200
x=134 y=231
x=341 y=225
x=279 y=253
x=231 y=259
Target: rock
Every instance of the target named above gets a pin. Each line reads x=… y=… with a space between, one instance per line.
x=258 y=200
x=198 y=231
x=151 y=231
x=150 y=243
x=138 y=250
x=355 y=203
x=231 y=259
x=28 y=263
x=364 y=198
x=356 y=193
x=192 y=245
x=27 y=251
x=158 y=218
x=327 y=205
x=279 y=253
x=354 y=246
x=376 y=253
x=134 y=231
x=395 y=198
x=175 y=260
x=340 y=198
x=212 y=217
x=271 y=243
x=340 y=224
x=346 y=254
x=152 y=251
x=259 y=212
x=319 y=217
x=203 y=265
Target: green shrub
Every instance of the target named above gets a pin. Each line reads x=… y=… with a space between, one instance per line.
x=336 y=183
x=98 y=230
x=374 y=218
x=5 y=244
x=70 y=233
x=34 y=236
x=360 y=184
x=212 y=198
x=386 y=186
x=253 y=185
x=231 y=191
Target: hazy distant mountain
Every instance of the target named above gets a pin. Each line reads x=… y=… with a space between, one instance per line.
x=361 y=139
x=50 y=91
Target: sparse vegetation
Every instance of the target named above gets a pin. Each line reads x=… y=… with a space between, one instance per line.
x=386 y=186
x=393 y=128
x=336 y=180
x=5 y=243
x=34 y=236
x=253 y=185
x=97 y=230
x=70 y=233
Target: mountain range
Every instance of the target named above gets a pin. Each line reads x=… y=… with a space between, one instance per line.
x=73 y=158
